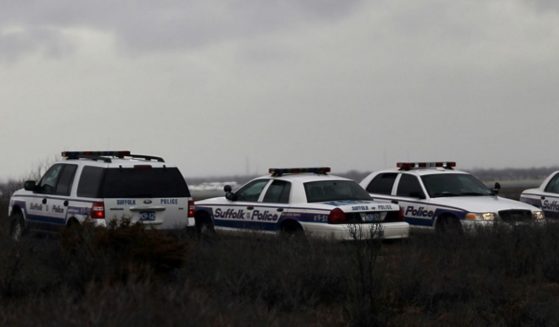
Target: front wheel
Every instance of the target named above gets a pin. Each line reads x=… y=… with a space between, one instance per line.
x=17 y=226
x=449 y=225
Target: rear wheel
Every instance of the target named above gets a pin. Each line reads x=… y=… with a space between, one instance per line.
x=291 y=230
x=17 y=226
x=204 y=226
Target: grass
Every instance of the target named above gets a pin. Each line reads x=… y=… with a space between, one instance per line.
x=126 y=275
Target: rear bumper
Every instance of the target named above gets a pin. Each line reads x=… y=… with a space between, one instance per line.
x=349 y=232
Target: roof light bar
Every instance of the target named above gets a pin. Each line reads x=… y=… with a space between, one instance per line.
x=417 y=165
x=78 y=154
x=283 y=171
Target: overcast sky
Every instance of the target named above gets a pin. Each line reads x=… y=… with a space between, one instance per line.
x=230 y=86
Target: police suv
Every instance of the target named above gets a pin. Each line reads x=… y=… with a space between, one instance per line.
x=99 y=187
x=436 y=196
x=302 y=201
x=545 y=197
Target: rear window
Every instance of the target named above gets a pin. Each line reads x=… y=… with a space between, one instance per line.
x=144 y=182
x=323 y=191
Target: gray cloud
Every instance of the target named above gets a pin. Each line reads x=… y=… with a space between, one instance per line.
x=17 y=42
x=147 y=26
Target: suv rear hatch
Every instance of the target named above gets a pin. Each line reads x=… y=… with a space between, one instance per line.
x=154 y=196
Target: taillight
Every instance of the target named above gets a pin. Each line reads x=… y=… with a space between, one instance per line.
x=191 y=208
x=98 y=210
x=337 y=216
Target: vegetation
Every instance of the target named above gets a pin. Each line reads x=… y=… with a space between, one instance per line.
x=126 y=275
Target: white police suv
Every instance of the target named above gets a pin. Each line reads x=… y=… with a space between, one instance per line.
x=436 y=196
x=545 y=197
x=302 y=201
x=99 y=187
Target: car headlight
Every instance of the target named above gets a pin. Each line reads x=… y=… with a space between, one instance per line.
x=484 y=216
x=538 y=215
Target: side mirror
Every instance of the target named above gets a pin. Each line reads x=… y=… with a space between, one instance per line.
x=30 y=186
x=229 y=195
x=496 y=188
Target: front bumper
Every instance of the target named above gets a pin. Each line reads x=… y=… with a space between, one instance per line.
x=350 y=232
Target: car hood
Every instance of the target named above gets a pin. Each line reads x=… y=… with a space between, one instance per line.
x=482 y=203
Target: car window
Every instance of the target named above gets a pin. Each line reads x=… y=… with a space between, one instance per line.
x=47 y=184
x=57 y=180
x=553 y=185
x=143 y=182
x=382 y=183
x=251 y=191
x=90 y=182
x=278 y=192
x=64 y=185
x=409 y=187
x=322 y=191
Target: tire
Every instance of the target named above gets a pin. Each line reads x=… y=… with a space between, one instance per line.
x=291 y=230
x=449 y=225
x=204 y=227
x=17 y=226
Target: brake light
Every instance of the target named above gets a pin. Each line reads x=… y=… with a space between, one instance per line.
x=191 y=208
x=98 y=210
x=337 y=216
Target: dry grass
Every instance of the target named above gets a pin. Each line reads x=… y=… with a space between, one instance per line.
x=126 y=275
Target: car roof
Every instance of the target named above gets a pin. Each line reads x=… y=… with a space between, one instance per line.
x=116 y=163
x=304 y=177
x=112 y=159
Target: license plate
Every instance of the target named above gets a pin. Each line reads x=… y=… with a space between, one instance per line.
x=370 y=217
x=147 y=216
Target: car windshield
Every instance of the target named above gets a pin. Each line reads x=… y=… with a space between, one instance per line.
x=440 y=185
x=340 y=190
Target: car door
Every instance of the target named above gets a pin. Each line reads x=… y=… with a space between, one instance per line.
x=49 y=206
x=411 y=197
x=274 y=204
x=549 y=199
x=238 y=213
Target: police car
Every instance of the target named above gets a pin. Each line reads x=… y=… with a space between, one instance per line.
x=545 y=197
x=436 y=196
x=302 y=201
x=100 y=187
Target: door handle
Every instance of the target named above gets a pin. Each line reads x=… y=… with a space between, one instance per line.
x=394 y=201
x=280 y=209
x=45 y=201
x=543 y=197
x=250 y=208
x=66 y=203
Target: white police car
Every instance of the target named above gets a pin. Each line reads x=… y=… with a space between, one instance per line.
x=435 y=196
x=302 y=201
x=100 y=187
x=545 y=197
